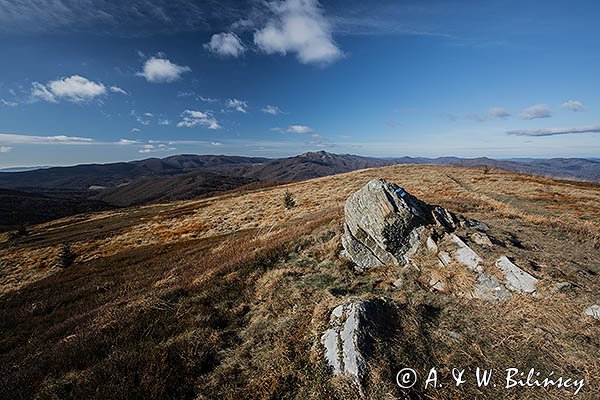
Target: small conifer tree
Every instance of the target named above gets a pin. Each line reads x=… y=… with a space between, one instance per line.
x=288 y=200
x=66 y=256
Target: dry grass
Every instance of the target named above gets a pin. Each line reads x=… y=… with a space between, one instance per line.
x=227 y=297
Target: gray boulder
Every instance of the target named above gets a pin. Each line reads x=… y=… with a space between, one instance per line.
x=383 y=222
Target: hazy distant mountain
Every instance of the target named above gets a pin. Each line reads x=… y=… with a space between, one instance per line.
x=22 y=169
x=77 y=180
x=80 y=178
x=572 y=168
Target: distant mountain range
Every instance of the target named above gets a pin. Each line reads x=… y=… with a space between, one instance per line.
x=62 y=191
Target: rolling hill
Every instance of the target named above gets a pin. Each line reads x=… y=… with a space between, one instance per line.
x=179 y=300
x=167 y=188
x=184 y=177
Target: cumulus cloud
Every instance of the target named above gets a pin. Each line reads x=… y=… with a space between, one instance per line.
x=573 y=105
x=116 y=89
x=190 y=118
x=161 y=70
x=238 y=105
x=273 y=110
x=299 y=129
x=298 y=26
x=31 y=139
x=556 y=131
x=135 y=130
x=164 y=121
x=5 y=149
x=226 y=44
x=536 y=111
x=74 y=88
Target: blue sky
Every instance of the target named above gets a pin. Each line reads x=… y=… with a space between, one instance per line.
x=101 y=81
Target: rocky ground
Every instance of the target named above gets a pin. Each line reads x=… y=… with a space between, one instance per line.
x=237 y=297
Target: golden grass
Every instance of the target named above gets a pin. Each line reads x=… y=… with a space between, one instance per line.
x=227 y=297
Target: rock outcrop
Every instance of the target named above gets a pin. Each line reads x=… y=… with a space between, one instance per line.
x=385 y=225
x=348 y=340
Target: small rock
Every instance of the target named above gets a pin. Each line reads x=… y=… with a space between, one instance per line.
x=436 y=284
x=593 y=311
x=444 y=258
x=456 y=337
x=562 y=287
x=481 y=239
x=488 y=288
x=473 y=223
x=431 y=245
x=517 y=280
x=465 y=255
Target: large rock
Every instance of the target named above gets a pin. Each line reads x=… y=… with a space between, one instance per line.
x=349 y=338
x=382 y=224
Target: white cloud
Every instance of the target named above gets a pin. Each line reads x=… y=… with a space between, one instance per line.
x=299 y=129
x=75 y=88
x=216 y=143
x=116 y=89
x=192 y=118
x=5 y=149
x=298 y=26
x=238 y=105
x=207 y=99
x=226 y=44
x=573 y=105
x=31 y=139
x=498 y=112
x=556 y=131
x=536 y=111
x=143 y=119
x=161 y=70
x=127 y=141
x=273 y=110
x=150 y=148
x=494 y=112
x=39 y=91
x=135 y=130
x=8 y=103
x=164 y=121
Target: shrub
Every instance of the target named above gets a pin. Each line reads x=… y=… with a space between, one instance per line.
x=288 y=200
x=66 y=256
